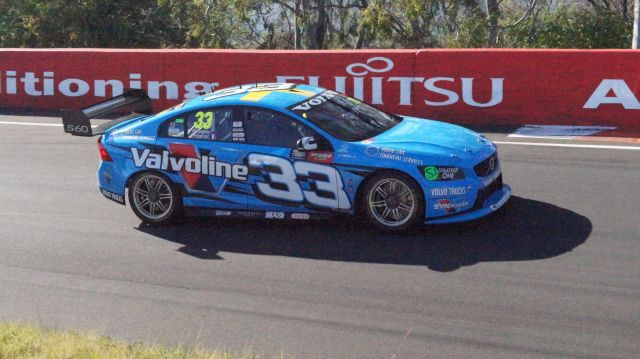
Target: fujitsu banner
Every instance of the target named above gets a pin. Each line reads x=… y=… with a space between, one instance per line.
x=463 y=86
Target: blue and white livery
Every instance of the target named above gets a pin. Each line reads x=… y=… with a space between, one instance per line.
x=288 y=151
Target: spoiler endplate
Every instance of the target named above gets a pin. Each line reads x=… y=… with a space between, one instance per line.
x=78 y=122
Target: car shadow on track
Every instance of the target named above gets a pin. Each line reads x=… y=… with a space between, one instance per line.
x=524 y=230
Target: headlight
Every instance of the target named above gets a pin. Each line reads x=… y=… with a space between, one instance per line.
x=441 y=173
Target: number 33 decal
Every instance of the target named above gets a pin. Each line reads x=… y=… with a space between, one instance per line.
x=283 y=185
x=205 y=120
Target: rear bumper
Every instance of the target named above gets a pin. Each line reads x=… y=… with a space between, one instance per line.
x=113 y=196
x=494 y=202
x=111 y=182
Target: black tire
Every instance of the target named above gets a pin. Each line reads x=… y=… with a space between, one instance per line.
x=393 y=202
x=161 y=204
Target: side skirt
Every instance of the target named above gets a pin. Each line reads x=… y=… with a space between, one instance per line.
x=236 y=213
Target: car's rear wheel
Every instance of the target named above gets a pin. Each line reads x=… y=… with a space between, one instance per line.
x=393 y=202
x=154 y=198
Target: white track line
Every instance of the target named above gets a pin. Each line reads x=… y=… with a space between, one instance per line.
x=35 y=124
x=543 y=144
x=30 y=123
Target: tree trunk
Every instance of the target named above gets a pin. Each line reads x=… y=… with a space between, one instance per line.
x=625 y=9
x=318 y=30
x=296 y=35
x=493 y=15
x=361 y=33
x=636 y=25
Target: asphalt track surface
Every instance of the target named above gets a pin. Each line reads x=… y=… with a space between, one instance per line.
x=554 y=274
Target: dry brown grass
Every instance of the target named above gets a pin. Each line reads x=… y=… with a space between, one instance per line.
x=19 y=341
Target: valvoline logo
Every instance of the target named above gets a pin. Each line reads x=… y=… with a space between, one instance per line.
x=183 y=158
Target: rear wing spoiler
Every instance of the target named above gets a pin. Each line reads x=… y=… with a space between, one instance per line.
x=78 y=122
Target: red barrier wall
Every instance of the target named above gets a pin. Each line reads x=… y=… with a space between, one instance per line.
x=573 y=87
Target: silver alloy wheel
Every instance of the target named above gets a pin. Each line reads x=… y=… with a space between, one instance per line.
x=152 y=196
x=391 y=202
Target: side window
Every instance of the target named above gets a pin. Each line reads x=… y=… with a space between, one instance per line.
x=268 y=128
x=210 y=124
x=173 y=128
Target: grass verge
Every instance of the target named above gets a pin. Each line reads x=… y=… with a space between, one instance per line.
x=19 y=341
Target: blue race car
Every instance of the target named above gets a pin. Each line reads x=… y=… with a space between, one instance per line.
x=289 y=151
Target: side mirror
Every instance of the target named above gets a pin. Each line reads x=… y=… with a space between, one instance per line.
x=307 y=144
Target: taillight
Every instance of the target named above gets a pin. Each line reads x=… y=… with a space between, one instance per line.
x=104 y=155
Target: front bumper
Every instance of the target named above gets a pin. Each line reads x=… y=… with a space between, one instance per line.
x=494 y=202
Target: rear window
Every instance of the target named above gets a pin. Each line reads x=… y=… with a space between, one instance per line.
x=173 y=128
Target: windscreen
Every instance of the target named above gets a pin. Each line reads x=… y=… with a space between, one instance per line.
x=343 y=117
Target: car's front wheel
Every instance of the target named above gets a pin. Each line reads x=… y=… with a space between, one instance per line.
x=393 y=202
x=154 y=198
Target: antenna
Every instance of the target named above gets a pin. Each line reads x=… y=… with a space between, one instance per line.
x=235 y=79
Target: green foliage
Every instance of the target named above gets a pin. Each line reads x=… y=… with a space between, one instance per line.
x=471 y=32
x=573 y=28
x=80 y=23
x=313 y=24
